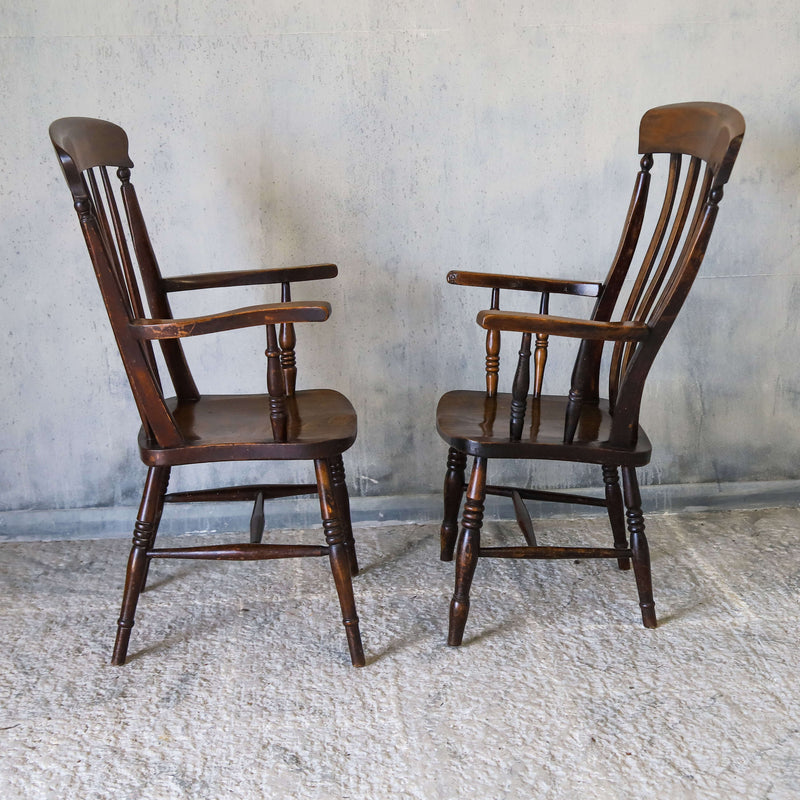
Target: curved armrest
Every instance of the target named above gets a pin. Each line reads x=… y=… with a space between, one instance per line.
x=270 y=314
x=524 y=284
x=563 y=326
x=249 y=277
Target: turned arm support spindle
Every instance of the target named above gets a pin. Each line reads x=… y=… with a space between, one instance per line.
x=493 y=351
x=288 y=340
x=522 y=377
x=278 y=416
x=540 y=353
x=519 y=389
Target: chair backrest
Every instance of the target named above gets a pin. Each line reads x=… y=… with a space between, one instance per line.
x=88 y=149
x=705 y=137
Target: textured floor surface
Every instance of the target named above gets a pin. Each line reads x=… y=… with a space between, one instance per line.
x=239 y=684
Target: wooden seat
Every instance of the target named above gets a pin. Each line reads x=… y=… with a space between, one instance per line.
x=317 y=425
x=698 y=143
x=224 y=425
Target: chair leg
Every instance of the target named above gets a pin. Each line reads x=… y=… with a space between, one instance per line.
x=453 y=493
x=468 y=549
x=340 y=560
x=151 y=544
x=144 y=534
x=639 y=546
x=616 y=512
x=343 y=510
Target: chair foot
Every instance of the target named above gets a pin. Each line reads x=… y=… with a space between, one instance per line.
x=121 y=645
x=354 y=643
x=447 y=541
x=644 y=582
x=340 y=567
x=459 y=611
x=649 y=615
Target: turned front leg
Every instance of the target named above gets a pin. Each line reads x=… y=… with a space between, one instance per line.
x=340 y=560
x=343 y=508
x=144 y=534
x=616 y=512
x=639 y=546
x=468 y=551
x=453 y=493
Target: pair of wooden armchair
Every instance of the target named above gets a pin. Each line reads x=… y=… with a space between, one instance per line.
x=699 y=142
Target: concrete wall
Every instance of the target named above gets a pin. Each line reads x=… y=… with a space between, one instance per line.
x=400 y=140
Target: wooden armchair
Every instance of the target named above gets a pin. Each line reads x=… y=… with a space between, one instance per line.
x=190 y=428
x=580 y=426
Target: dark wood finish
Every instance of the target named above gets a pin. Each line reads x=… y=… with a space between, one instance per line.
x=288 y=342
x=519 y=389
x=253 y=551
x=338 y=551
x=453 y=494
x=551 y=497
x=699 y=143
x=469 y=545
x=339 y=484
x=144 y=536
x=540 y=352
x=315 y=425
x=257 y=520
x=228 y=320
x=493 y=351
x=543 y=551
x=523 y=283
x=249 y=277
x=519 y=321
x=463 y=422
x=270 y=491
x=523 y=519
x=616 y=513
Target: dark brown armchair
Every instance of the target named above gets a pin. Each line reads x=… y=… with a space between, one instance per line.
x=189 y=428
x=699 y=143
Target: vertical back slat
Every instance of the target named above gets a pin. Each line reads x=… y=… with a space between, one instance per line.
x=178 y=369
x=105 y=233
x=640 y=285
x=673 y=180
x=682 y=214
x=585 y=382
x=650 y=284
x=120 y=257
x=122 y=247
x=689 y=243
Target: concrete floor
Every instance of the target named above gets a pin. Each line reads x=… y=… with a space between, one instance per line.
x=239 y=683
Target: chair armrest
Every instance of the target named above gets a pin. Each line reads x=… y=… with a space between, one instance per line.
x=563 y=326
x=249 y=277
x=248 y=317
x=524 y=284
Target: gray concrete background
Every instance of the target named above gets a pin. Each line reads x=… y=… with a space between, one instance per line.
x=400 y=140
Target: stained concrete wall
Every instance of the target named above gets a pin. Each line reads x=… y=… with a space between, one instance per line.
x=400 y=140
